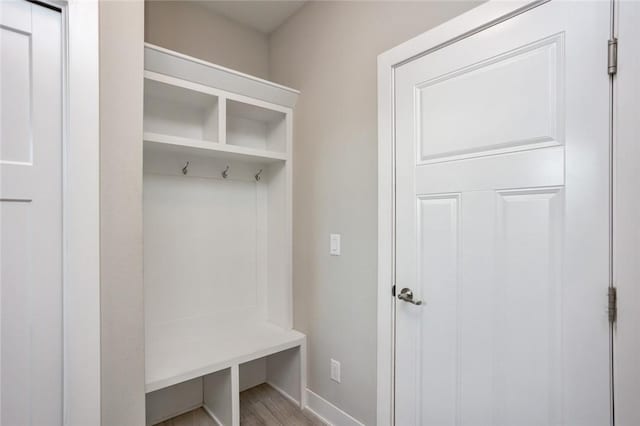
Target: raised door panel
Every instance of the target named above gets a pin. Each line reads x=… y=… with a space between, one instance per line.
x=462 y=113
x=15 y=81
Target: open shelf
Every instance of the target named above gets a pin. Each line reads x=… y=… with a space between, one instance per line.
x=252 y=126
x=182 y=350
x=168 y=143
x=178 y=109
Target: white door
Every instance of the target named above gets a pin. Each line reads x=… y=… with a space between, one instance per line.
x=502 y=180
x=30 y=215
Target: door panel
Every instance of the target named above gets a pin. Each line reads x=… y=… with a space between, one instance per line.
x=502 y=169
x=30 y=215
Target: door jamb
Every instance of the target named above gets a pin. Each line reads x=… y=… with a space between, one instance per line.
x=463 y=26
x=80 y=210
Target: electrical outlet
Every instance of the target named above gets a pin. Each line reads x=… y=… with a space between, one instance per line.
x=335 y=371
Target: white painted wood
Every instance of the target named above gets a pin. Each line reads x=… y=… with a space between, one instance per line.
x=162 y=142
x=217 y=394
x=192 y=347
x=279 y=292
x=217 y=250
x=31 y=152
x=172 y=401
x=200 y=247
x=160 y=60
x=178 y=111
x=235 y=396
x=252 y=373
x=81 y=292
x=255 y=127
x=626 y=206
x=327 y=412
x=508 y=250
x=283 y=372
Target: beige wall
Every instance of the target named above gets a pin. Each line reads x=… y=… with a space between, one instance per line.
x=121 y=286
x=328 y=51
x=189 y=27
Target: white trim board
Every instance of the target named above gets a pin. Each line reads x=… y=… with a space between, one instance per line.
x=327 y=412
x=161 y=60
x=81 y=215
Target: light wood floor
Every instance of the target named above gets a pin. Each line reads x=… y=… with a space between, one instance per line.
x=259 y=406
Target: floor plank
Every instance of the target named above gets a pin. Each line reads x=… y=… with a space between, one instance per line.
x=259 y=406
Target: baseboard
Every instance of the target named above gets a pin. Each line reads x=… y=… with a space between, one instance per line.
x=210 y=413
x=283 y=393
x=327 y=412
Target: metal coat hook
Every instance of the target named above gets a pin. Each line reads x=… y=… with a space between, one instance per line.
x=258 y=175
x=225 y=173
x=185 y=169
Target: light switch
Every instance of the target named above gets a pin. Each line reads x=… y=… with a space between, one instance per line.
x=334 y=245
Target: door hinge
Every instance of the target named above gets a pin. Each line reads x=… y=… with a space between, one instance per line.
x=393 y=290
x=612 y=304
x=612 y=63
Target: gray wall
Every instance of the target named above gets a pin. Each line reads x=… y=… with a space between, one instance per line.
x=191 y=28
x=328 y=51
x=121 y=287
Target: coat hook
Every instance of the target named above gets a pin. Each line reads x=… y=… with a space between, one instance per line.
x=225 y=173
x=185 y=169
x=258 y=175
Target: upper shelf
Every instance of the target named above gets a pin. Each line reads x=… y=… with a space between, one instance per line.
x=167 y=143
x=173 y=63
x=202 y=120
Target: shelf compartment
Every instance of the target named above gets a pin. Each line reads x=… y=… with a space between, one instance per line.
x=168 y=143
x=255 y=127
x=173 y=109
x=216 y=393
x=185 y=349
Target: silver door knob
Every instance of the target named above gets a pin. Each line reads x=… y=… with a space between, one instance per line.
x=407 y=295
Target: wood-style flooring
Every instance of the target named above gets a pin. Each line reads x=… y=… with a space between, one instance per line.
x=259 y=406
x=265 y=406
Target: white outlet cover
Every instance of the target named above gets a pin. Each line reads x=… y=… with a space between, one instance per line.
x=334 y=244
x=335 y=371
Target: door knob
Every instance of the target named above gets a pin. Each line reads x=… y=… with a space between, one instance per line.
x=407 y=295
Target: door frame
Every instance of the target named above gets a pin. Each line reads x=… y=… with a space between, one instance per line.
x=80 y=210
x=626 y=157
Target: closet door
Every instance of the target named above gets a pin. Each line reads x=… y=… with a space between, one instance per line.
x=30 y=215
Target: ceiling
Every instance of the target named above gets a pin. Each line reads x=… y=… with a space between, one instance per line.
x=264 y=16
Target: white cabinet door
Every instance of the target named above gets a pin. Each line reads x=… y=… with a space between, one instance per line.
x=30 y=215
x=502 y=180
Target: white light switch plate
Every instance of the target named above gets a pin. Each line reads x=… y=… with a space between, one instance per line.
x=335 y=370
x=334 y=244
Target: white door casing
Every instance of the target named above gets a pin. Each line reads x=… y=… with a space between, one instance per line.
x=502 y=224
x=30 y=215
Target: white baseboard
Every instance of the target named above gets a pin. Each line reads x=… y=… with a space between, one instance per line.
x=327 y=412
